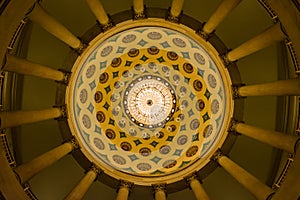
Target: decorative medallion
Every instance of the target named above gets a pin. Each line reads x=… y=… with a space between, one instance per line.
x=149 y=101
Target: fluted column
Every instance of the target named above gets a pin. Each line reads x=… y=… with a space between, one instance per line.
x=23 y=66
x=17 y=118
x=273 y=138
x=160 y=192
x=50 y=24
x=197 y=188
x=176 y=7
x=269 y=36
x=84 y=184
x=251 y=183
x=124 y=190
x=29 y=169
x=224 y=8
x=98 y=10
x=278 y=88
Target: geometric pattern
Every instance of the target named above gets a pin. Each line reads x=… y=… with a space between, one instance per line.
x=177 y=61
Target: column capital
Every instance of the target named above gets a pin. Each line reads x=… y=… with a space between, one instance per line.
x=172 y=18
x=139 y=15
x=66 y=78
x=95 y=169
x=81 y=48
x=125 y=184
x=124 y=189
x=63 y=110
x=235 y=91
x=192 y=177
x=106 y=26
x=159 y=187
x=74 y=144
x=217 y=155
x=203 y=34
x=232 y=125
x=225 y=59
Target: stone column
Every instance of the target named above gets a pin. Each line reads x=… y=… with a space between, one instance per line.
x=278 y=88
x=224 y=8
x=251 y=183
x=176 y=7
x=273 y=138
x=269 y=36
x=29 y=169
x=50 y=24
x=197 y=188
x=26 y=67
x=98 y=10
x=124 y=190
x=84 y=184
x=160 y=192
x=138 y=6
x=17 y=118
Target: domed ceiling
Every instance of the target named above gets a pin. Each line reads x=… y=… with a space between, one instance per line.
x=148 y=101
x=84 y=95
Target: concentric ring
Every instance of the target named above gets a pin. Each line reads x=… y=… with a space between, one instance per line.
x=153 y=94
x=149 y=101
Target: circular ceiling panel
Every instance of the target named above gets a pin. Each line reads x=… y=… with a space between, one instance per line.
x=147 y=101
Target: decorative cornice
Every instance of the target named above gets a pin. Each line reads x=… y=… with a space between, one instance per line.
x=17 y=34
x=28 y=191
x=8 y=151
x=269 y=10
x=291 y=49
x=284 y=172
